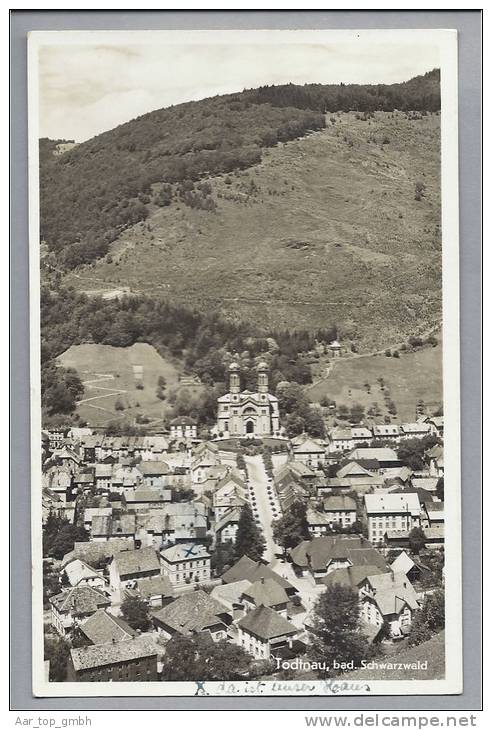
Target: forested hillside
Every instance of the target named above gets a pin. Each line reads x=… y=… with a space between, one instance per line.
x=95 y=190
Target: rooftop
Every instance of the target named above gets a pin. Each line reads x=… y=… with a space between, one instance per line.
x=89 y=657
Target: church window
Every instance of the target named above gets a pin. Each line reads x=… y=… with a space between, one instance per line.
x=226 y=408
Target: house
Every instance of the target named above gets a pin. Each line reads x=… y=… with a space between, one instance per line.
x=427 y=483
x=186 y=563
x=389 y=512
x=361 y=435
x=95 y=553
x=435 y=457
x=434 y=537
x=67 y=457
x=70 y=607
x=174 y=522
x=183 y=427
x=105 y=527
x=341 y=510
x=157 y=591
x=417 y=430
x=202 y=465
x=127 y=567
x=144 y=498
x=153 y=473
x=318 y=522
x=226 y=527
x=335 y=348
x=386 y=432
x=359 y=477
x=51 y=504
x=399 y=475
x=436 y=425
x=103 y=474
x=230 y=596
x=103 y=628
x=352 y=576
x=340 y=439
x=390 y=599
x=56 y=437
x=193 y=613
x=59 y=481
x=231 y=493
x=263 y=631
x=83 y=481
x=413 y=569
x=321 y=555
x=433 y=515
x=266 y=592
x=248 y=569
x=130 y=660
x=384 y=455
x=78 y=572
x=91 y=512
x=308 y=450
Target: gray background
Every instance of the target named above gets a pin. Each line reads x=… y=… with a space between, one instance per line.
x=468 y=24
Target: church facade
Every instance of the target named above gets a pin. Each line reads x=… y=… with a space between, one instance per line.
x=243 y=414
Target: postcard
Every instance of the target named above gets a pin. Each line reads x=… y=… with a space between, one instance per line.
x=244 y=295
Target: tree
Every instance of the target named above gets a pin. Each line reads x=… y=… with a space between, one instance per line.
x=57 y=652
x=292 y=527
x=249 y=538
x=430 y=619
x=136 y=612
x=336 y=628
x=416 y=540
x=199 y=658
x=222 y=557
x=59 y=536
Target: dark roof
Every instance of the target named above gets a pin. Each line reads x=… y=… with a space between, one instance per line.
x=137 y=561
x=266 y=623
x=80 y=599
x=320 y=551
x=247 y=569
x=266 y=592
x=191 y=612
x=352 y=576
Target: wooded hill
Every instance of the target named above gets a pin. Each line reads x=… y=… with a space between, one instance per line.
x=94 y=191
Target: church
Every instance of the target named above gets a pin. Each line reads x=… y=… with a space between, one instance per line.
x=244 y=414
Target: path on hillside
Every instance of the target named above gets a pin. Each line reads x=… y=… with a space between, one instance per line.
x=257 y=478
x=100 y=378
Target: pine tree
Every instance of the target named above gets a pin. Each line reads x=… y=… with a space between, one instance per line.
x=249 y=538
x=292 y=527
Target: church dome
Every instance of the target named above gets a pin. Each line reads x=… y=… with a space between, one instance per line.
x=262 y=365
x=233 y=366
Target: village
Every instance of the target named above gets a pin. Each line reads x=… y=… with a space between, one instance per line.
x=234 y=539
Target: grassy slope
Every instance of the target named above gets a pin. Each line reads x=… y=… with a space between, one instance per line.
x=92 y=361
x=432 y=651
x=333 y=234
x=411 y=377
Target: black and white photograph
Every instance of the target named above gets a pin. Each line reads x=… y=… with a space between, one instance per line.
x=245 y=363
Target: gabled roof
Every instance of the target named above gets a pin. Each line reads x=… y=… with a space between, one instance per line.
x=137 y=561
x=191 y=612
x=381 y=454
x=352 y=576
x=403 y=563
x=314 y=518
x=392 y=592
x=266 y=623
x=80 y=599
x=100 y=655
x=147 y=494
x=308 y=446
x=77 y=570
x=342 y=503
x=231 y=517
x=247 y=569
x=95 y=551
x=230 y=593
x=266 y=592
x=102 y=627
x=158 y=585
x=319 y=552
x=353 y=469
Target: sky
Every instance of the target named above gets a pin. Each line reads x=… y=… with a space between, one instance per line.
x=88 y=87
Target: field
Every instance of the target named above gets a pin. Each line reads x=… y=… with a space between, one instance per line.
x=411 y=377
x=325 y=230
x=117 y=374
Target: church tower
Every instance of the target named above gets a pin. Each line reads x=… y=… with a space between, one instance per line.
x=262 y=377
x=234 y=379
